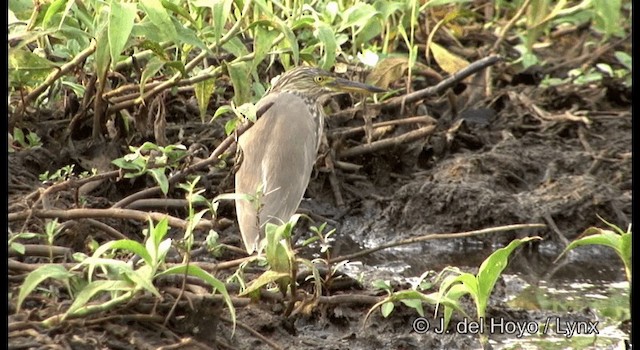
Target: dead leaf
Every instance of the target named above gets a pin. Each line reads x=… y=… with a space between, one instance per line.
x=448 y=61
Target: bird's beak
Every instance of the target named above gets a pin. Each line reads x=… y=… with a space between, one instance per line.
x=345 y=85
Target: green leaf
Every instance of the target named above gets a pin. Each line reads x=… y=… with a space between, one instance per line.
x=142 y=278
x=177 y=10
x=236 y=47
x=121 y=19
x=262 y=44
x=17 y=247
x=152 y=67
x=177 y=66
x=608 y=16
x=230 y=126
x=220 y=111
x=161 y=178
x=221 y=10
x=358 y=16
x=621 y=243
x=327 y=37
x=203 y=91
x=383 y=285
x=160 y=18
x=267 y=277
x=491 y=269
x=53 y=9
x=189 y=36
x=387 y=308
x=247 y=111
x=123 y=244
x=239 y=74
x=624 y=58
x=27 y=68
x=35 y=277
x=93 y=288
x=414 y=304
x=102 y=56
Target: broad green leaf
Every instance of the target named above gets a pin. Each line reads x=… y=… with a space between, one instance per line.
x=152 y=67
x=230 y=126
x=17 y=247
x=386 y=308
x=160 y=18
x=414 y=304
x=161 y=178
x=35 y=277
x=189 y=36
x=54 y=7
x=27 y=68
x=221 y=10
x=453 y=295
x=384 y=285
x=492 y=267
x=156 y=234
x=327 y=37
x=142 y=278
x=177 y=10
x=239 y=74
x=262 y=44
x=95 y=287
x=624 y=58
x=236 y=47
x=357 y=16
x=123 y=244
x=267 y=277
x=121 y=19
x=621 y=243
x=203 y=91
x=220 y=111
x=177 y=66
x=102 y=56
x=608 y=16
x=147 y=30
x=247 y=111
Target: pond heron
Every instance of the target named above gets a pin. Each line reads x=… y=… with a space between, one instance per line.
x=278 y=152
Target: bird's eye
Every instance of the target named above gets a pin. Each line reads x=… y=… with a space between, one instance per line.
x=318 y=79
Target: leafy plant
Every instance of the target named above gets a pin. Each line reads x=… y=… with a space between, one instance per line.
x=479 y=286
x=413 y=298
x=117 y=278
x=152 y=159
x=28 y=141
x=17 y=246
x=617 y=239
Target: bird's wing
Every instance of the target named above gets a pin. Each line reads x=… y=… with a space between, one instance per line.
x=278 y=155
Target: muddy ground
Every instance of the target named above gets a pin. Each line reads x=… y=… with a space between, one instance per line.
x=559 y=156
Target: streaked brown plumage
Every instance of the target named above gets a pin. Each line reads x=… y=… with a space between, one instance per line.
x=279 y=151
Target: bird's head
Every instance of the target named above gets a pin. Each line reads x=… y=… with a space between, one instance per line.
x=315 y=83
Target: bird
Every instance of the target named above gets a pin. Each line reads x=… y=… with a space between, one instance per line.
x=278 y=152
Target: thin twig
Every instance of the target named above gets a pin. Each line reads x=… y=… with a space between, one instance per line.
x=70 y=214
x=433 y=236
x=386 y=143
x=358 y=129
